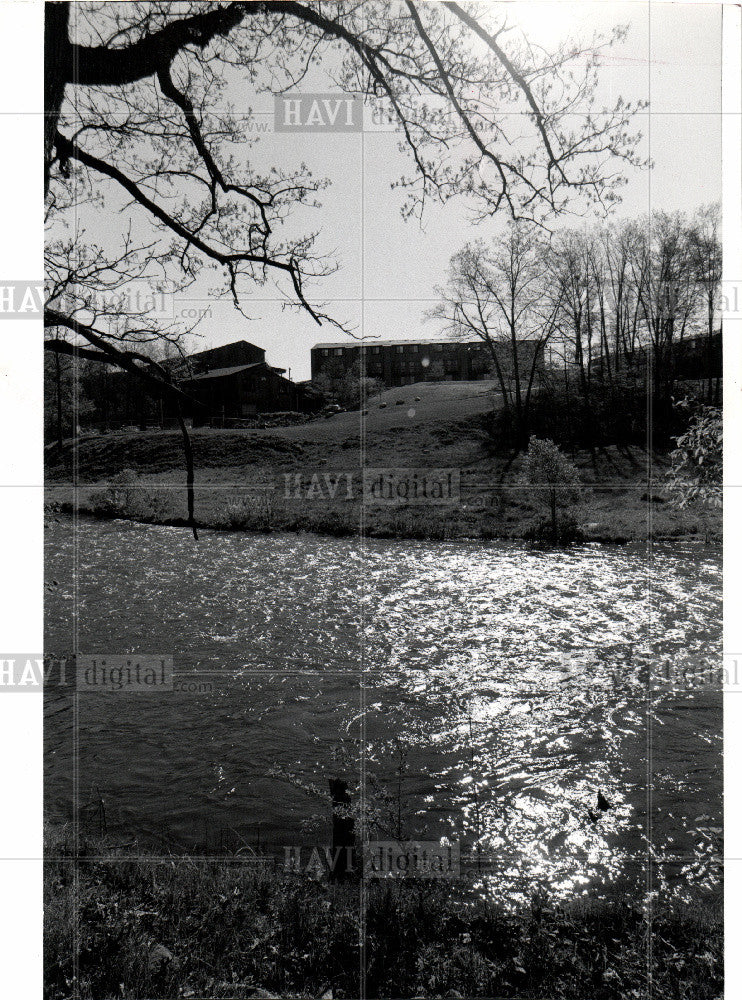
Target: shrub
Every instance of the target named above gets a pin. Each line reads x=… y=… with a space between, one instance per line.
x=254 y=512
x=566 y=532
x=124 y=496
x=556 y=484
x=696 y=473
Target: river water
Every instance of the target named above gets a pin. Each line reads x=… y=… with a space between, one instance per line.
x=480 y=692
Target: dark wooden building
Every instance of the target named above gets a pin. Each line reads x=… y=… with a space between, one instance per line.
x=240 y=352
x=233 y=383
x=227 y=384
x=239 y=391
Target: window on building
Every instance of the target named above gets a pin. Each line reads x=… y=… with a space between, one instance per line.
x=413 y=348
x=376 y=349
x=399 y=349
x=338 y=352
x=325 y=352
x=437 y=347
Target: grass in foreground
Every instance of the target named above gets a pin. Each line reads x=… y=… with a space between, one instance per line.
x=221 y=928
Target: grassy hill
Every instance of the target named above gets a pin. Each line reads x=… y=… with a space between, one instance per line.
x=422 y=403
x=241 y=475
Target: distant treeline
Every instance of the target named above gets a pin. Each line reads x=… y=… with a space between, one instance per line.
x=625 y=311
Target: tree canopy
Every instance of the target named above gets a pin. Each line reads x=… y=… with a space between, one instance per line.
x=140 y=99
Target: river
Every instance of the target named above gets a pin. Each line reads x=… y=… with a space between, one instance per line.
x=480 y=692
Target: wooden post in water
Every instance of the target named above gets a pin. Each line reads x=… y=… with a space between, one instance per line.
x=343 y=853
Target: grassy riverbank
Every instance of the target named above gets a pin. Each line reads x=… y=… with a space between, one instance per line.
x=616 y=506
x=308 y=477
x=223 y=928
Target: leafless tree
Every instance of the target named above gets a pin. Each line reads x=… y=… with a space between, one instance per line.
x=572 y=289
x=495 y=293
x=630 y=294
x=705 y=249
x=667 y=289
x=618 y=243
x=139 y=97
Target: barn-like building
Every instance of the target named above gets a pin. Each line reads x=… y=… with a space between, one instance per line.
x=235 y=382
x=228 y=385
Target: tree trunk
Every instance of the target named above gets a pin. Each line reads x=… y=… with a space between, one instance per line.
x=56 y=51
x=521 y=430
x=553 y=514
x=59 y=400
x=343 y=831
x=710 y=352
x=189 y=472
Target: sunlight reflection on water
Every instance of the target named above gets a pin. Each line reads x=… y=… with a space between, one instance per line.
x=502 y=688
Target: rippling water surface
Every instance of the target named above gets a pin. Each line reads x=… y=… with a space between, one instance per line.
x=500 y=689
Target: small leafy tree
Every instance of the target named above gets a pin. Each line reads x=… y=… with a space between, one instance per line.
x=554 y=477
x=696 y=472
x=354 y=389
x=435 y=372
x=348 y=386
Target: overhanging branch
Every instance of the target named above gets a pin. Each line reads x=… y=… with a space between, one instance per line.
x=127 y=360
x=101 y=65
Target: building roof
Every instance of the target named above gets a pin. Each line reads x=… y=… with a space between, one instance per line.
x=382 y=343
x=222 y=347
x=225 y=372
x=397 y=343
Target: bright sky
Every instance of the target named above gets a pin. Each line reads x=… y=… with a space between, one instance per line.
x=671 y=57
